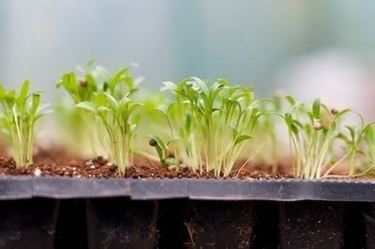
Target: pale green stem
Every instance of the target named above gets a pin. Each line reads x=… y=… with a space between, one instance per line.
x=333 y=166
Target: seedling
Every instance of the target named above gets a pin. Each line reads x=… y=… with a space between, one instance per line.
x=368 y=147
x=357 y=146
x=115 y=110
x=19 y=113
x=166 y=156
x=313 y=137
x=213 y=121
x=84 y=87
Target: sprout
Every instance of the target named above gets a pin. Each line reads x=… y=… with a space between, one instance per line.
x=314 y=135
x=166 y=158
x=19 y=113
x=367 y=149
x=85 y=87
x=113 y=107
x=213 y=121
x=357 y=140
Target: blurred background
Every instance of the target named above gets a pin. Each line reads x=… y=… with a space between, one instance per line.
x=308 y=48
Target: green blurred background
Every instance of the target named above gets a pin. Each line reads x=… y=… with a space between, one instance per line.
x=291 y=44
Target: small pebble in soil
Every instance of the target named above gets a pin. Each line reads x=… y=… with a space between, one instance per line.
x=37 y=172
x=88 y=163
x=92 y=167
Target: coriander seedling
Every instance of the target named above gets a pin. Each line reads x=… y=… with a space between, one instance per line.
x=116 y=111
x=357 y=139
x=165 y=155
x=19 y=113
x=213 y=121
x=84 y=87
x=313 y=135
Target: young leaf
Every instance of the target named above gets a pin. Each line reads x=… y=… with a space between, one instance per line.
x=35 y=102
x=87 y=106
x=291 y=100
x=241 y=138
x=316 y=109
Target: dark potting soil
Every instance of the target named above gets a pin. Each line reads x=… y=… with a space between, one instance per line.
x=312 y=225
x=59 y=163
x=220 y=225
x=121 y=223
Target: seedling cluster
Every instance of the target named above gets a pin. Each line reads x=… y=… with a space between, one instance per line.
x=209 y=126
x=110 y=113
x=19 y=113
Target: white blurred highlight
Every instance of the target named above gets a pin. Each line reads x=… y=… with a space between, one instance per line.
x=338 y=79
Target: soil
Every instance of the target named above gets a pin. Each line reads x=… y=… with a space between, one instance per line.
x=58 y=162
x=369 y=224
x=312 y=225
x=220 y=225
x=121 y=223
x=25 y=221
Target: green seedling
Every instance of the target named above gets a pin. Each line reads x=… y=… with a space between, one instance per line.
x=115 y=110
x=166 y=156
x=84 y=87
x=19 y=113
x=213 y=121
x=156 y=121
x=356 y=140
x=313 y=137
x=368 y=147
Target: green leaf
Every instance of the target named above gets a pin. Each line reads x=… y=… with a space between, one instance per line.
x=112 y=101
x=188 y=122
x=119 y=74
x=87 y=106
x=316 y=109
x=22 y=98
x=160 y=147
x=170 y=161
x=158 y=141
x=91 y=82
x=291 y=100
x=351 y=132
x=35 y=102
x=294 y=129
x=104 y=109
x=202 y=85
x=241 y=138
x=24 y=90
x=343 y=112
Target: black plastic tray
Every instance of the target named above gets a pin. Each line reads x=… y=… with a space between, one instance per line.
x=24 y=187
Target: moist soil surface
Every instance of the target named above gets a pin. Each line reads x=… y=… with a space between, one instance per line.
x=59 y=163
